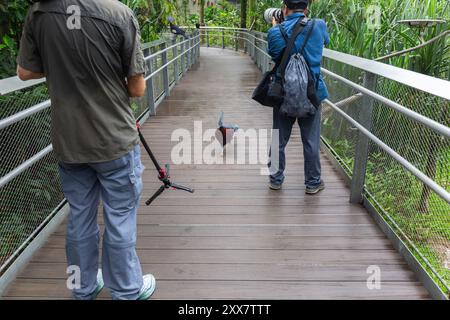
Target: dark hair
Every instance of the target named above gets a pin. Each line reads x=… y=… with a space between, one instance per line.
x=299 y=6
x=296 y=4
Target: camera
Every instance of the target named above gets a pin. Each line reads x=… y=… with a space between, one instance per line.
x=273 y=13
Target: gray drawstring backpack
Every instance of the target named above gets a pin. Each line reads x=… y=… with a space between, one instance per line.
x=296 y=103
x=300 y=99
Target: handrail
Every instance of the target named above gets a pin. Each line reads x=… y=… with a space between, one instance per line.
x=223 y=28
x=430 y=123
x=402 y=161
x=9 y=85
x=431 y=85
x=151 y=56
x=171 y=61
x=25 y=165
x=24 y=114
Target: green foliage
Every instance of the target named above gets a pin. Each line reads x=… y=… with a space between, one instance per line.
x=350 y=26
x=8 y=52
x=222 y=14
x=12 y=16
x=153 y=15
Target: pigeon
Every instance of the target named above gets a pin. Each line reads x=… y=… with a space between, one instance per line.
x=225 y=133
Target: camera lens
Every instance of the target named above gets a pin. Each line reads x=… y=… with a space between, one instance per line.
x=271 y=13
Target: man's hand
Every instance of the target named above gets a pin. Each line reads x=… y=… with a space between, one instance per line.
x=25 y=74
x=274 y=22
x=136 y=86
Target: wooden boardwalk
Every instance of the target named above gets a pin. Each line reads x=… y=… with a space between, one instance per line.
x=234 y=238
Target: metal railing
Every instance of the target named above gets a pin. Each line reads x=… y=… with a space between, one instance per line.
x=387 y=130
x=29 y=183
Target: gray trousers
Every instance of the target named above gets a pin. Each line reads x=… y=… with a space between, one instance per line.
x=118 y=183
x=310 y=135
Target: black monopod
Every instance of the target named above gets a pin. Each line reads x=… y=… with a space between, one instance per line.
x=163 y=173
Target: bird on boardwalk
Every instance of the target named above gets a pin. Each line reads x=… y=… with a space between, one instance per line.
x=225 y=132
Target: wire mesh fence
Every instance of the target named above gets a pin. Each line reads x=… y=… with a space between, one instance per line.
x=419 y=216
x=29 y=199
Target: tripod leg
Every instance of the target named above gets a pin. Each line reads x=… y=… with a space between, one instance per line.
x=156 y=195
x=149 y=151
x=179 y=187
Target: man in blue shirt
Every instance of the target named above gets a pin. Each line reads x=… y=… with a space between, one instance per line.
x=309 y=127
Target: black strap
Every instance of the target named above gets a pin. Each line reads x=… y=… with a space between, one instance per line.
x=280 y=56
x=283 y=33
x=299 y=26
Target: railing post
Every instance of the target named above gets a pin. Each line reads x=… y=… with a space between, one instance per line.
x=198 y=50
x=223 y=38
x=176 y=71
x=149 y=93
x=236 y=43
x=195 y=40
x=185 y=56
x=207 y=38
x=165 y=70
x=181 y=59
x=252 y=47
x=258 y=54
x=189 y=55
x=365 y=112
x=245 y=36
x=265 y=60
x=194 y=43
x=191 y=52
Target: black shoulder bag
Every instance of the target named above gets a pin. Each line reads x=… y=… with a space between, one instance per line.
x=269 y=91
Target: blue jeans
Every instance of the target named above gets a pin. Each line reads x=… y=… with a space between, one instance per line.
x=118 y=183
x=310 y=134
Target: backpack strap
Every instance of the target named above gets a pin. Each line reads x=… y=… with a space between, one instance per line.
x=283 y=33
x=286 y=39
x=308 y=35
x=299 y=26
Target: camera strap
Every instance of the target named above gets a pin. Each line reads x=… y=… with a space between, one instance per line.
x=298 y=28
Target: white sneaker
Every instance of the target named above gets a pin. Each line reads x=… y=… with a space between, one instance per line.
x=148 y=287
x=100 y=284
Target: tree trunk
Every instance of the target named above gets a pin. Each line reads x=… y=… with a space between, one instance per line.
x=252 y=12
x=202 y=12
x=243 y=13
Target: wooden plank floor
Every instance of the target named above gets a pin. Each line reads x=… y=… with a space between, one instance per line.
x=234 y=238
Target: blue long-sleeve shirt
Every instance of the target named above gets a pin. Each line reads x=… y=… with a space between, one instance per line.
x=313 y=51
